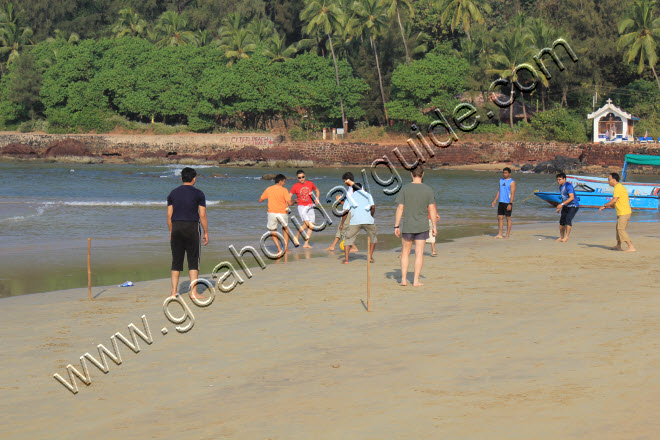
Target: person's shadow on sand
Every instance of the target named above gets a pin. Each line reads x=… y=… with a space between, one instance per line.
x=396 y=276
x=548 y=237
x=602 y=246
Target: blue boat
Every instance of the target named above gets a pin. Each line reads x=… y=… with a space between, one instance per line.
x=594 y=192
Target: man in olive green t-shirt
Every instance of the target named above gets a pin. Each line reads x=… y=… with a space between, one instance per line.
x=621 y=203
x=416 y=205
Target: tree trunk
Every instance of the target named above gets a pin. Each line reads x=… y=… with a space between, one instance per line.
x=656 y=76
x=380 y=78
x=511 y=108
x=344 y=122
x=543 y=97
x=564 y=91
x=403 y=36
x=522 y=101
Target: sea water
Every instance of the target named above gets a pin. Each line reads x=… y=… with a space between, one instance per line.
x=49 y=210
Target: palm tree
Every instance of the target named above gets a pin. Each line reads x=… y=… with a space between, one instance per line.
x=638 y=30
x=203 y=38
x=74 y=38
x=13 y=38
x=277 y=50
x=232 y=23
x=129 y=22
x=513 y=49
x=237 y=46
x=542 y=36
x=8 y=14
x=394 y=8
x=465 y=11
x=172 y=30
x=323 y=16
x=260 y=28
x=372 y=21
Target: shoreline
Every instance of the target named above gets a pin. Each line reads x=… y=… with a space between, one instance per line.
x=555 y=334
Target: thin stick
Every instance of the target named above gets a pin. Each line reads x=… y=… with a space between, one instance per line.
x=368 y=268
x=89 y=268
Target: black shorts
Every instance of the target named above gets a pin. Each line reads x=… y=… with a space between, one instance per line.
x=501 y=209
x=414 y=237
x=567 y=214
x=186 y=240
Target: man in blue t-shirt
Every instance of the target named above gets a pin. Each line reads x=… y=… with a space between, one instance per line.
x=506 y=191
x=569 y=207
x=361 y=206
x=186 y=211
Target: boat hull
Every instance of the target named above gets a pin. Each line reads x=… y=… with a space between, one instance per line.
x=601 y=185
x=596 y=200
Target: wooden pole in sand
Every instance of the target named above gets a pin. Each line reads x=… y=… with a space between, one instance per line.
x=89 y=268
x=368 y=268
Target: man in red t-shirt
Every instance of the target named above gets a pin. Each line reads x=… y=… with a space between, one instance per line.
x=303 y=191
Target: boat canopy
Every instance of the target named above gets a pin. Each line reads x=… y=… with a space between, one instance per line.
x=643 y=159
x=639 y=159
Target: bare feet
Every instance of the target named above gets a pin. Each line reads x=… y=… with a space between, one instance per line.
x=344 y=262
x=630 y=249
x=372 y=261
x=418 y=284
x=307 y=246
x=404 y=283
x=353 y=250
x=560 y=239
x=564 y=240
x=434 y=254
x=173 y=295
x=498 y=236
x=331 y=248
x=616 y=248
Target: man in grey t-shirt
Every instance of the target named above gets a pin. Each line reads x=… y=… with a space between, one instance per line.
x=416 y=204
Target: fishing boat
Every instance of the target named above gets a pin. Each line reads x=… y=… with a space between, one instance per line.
x=594 y=192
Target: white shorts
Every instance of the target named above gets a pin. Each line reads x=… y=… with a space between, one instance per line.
x=275 y=219
x=307 y=213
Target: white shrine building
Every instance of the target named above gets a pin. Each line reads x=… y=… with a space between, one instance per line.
x=611 y=124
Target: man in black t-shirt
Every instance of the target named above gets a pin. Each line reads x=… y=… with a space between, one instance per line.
x=186 y=210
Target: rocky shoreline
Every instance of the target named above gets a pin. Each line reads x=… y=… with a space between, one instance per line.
x=265 y=150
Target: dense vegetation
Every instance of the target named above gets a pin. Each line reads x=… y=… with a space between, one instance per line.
x=213 y=65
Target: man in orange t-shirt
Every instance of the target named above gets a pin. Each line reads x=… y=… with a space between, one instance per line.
x=279 y=201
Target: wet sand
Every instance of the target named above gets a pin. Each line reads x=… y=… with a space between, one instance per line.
x=508 y=339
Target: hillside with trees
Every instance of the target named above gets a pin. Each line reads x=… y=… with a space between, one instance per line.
x=221 y=65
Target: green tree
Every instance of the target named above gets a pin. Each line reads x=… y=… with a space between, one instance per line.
x=237 y=45
x=639 y=31
x=431 y=82
x=394 y=9
x=260 y=28
x=464 y=11
x=512 y=49
x=14 y=38
x=276 y=49
x=25 y=84
x=322 y=17
x=371 y=16
x=172 y=30
x=129 y=22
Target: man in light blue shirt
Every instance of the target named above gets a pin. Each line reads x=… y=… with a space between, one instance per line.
x=362 y=209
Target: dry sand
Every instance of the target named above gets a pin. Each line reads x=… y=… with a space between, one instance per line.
x=519 y=339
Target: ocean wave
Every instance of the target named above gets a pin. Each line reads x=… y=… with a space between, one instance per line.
x=120 y=203
x=40 y=211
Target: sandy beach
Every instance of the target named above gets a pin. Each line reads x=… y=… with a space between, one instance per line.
x=508 y=339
